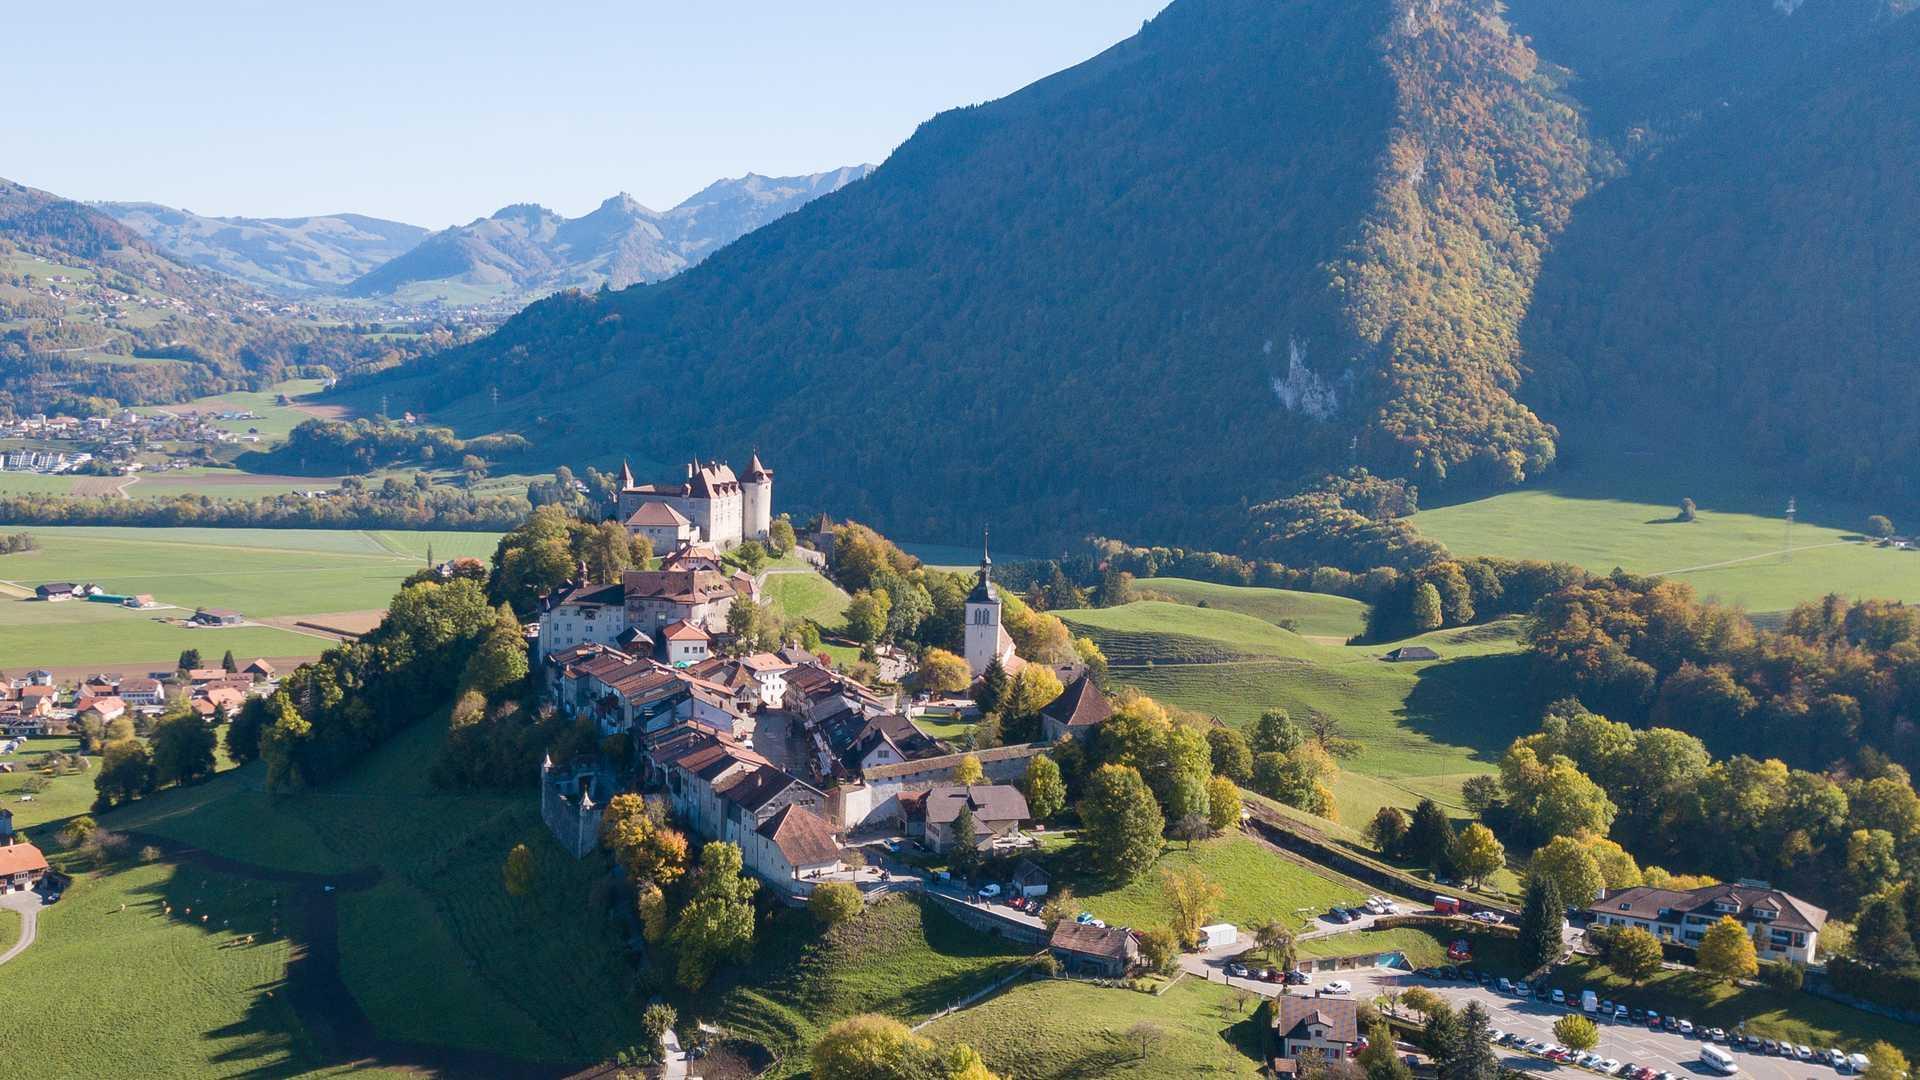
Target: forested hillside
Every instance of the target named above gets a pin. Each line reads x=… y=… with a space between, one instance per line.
x=1747 y=294
x=1254 y=240
x=285 y=255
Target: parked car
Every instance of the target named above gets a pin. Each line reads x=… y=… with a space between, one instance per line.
x=989 y=891
x=1768 y=1046
x=1639 y=1015
x=1540 y=991
x=1608 y=1066
x=1803 y=1052
x=1236 y=970
x=1653 y=1019
x=1265 y=974
x=1670 y=1022
x=1296 y=977
x=1490 y=917
x=1559 y=996
x=1505 y=985
x=1083 y=918
x=1686 y=1027
x=1834 y=1058
x=1337 y=986
x=1496 y=1035
x=1717 y=1034
x=1619 y=1012
x=1860 y=1062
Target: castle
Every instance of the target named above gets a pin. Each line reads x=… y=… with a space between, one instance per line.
x=711 y=506
x=572 y=802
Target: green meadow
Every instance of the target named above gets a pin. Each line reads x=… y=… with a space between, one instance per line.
x=1315 y=615
x=1737 y=556
x=808 y=596
x=1260 y=883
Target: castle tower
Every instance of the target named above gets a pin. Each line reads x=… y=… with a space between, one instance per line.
x=986 y=638
x=756 y=512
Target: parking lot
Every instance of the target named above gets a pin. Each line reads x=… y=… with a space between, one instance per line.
x=1657 y=1050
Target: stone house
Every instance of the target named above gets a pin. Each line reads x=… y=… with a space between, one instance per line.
x=998 y=809
x=1107 y=952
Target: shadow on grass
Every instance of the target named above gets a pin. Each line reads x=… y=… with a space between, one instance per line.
x=1481 y=702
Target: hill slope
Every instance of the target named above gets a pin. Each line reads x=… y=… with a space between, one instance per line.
x=1746 y=295
x=526 y=250
x=1133 y=294
x=286 y=255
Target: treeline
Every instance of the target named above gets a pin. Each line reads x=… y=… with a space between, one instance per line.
x=395 y=504
x=1351 y=521
x=20 y=541
x=318 y=447
x=437 y=641
x=1837 y=684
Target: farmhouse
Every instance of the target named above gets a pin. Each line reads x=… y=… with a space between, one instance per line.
x=1408 y=653
x=103 y=709
x=1086 y=949
x=1783 y=927
x=1076 y=713
x=259 y=671
x=998 y=809
x=217 y=617
x=55 y=590
x=37 y=700
x=1328 y=1026
x=21 y=867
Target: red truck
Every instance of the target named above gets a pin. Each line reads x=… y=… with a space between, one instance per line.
x=1446 y=905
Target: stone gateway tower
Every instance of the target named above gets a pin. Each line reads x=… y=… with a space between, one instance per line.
x=756 y=489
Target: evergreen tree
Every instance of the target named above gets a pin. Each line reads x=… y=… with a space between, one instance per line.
x=1441 y=1037
x=189 y=659
x=1429 y=839
x=1881 y=936
x=965 y=853
x=993 y=687
x=1540 y=919
x=1473 y=1058
x=228 y=663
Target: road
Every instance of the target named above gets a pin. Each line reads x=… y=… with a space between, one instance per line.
x=28 y=904
x=1657 y=1050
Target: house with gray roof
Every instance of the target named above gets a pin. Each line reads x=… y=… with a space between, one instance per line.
x=1783 y=926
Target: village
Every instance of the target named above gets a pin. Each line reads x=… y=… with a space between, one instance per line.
x=113 y=441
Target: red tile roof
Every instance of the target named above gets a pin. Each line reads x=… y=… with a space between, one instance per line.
x=21 y=859
x=804 y=837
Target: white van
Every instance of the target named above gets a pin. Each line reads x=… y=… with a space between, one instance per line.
x=1718 y=1060
x=1589 y=1001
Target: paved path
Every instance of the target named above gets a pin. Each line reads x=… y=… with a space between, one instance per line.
x=675 y=1067
x=28 y=904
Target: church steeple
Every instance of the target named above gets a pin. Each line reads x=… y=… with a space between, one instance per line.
x=626 y=476
x=984 y=591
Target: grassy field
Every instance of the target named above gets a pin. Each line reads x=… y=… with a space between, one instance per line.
x=808 y=596
x=1059 y=1029
x=276 y=420
x=1425 y=727
x=1801 y=1018
x=59 y=798
x=904 y=957
x=1314 y=615
x=146 y=993
x=9 y=928
x=260 y=572
x=1259 y=884
x=1422 y=947
x=1736 y=556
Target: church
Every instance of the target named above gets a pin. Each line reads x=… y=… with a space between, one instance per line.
x=712 y=504
x=987 y=639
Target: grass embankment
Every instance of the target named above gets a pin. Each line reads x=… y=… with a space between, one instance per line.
x=1260 y=884
x=1422 y=946
x=1735 y=555
x=10 y=923
x=1799 y=1017
x=1314 y=615
x=1059 y=1029
x=259 y=572
x=1425 y=727
x=904 y=957
x=144 y=992
x=808 y=596
x=436 y=951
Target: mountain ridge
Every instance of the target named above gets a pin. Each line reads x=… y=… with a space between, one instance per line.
x=287 y=255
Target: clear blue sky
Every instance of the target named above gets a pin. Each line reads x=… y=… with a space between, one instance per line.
x=437 y=112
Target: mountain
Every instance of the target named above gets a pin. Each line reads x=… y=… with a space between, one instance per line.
x=1746 y=296
x=1254 y=240
x=92 y=315
x=291 y=256
x=527 y=250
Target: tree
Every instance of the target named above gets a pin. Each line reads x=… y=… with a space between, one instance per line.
x=965 y=852
x=1576 y=1032
x=1540 y=921
x=1192 y=898
x=1033 y=689
x=1223 y=805
x=780 y=536
x=1425 y=613
x=1634 y=954
x=228 y=664
x=969 y=771
x=183 y=747
x=636 y=832
x=1480 y=793
x=942 y=672
x=126 y=773
x=1144 y=1037
x=280 y=743
x=1422 y=1000
x=717 y=923
x=1617 y=868
x=1477 y=854
x=1473 y=1058
x=1429 y=839
x=1059 y=905
x=517 y=872
x=243 y=733
x=994 y=683
x=834 y=902
x=867 y=615
x=1871 y=863
x=1879 y=526
x=1882 y=936
x=189 y=660
x=651 y=905
x=1276 y=733
x=655 y=1022
x=871 y=1047
x=1886 y=1062
x=1387 y=832
x=1726 y=951
x=1441 y=1036
x=1274 y=939
x=751 y=555
x=1380 y=1060
x=1575 y=875
x=501 y=660
x=1123 y=823
x=1159 y=949
x=1046 y=792
x=1232 y=757
x=1190 y=827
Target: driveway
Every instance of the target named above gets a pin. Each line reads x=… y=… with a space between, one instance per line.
x=1657 y=1050
x=28 y=904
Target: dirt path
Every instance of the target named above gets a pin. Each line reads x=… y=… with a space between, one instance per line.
x=28 y=905
x=319 y=993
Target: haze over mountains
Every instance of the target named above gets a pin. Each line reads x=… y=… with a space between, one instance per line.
x=1260 y=240
x=528 y=249
x=286 y=255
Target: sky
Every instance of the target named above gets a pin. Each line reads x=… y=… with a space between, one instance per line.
x=436 y=112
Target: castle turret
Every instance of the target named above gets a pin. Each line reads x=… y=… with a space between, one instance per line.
x=756 y=509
